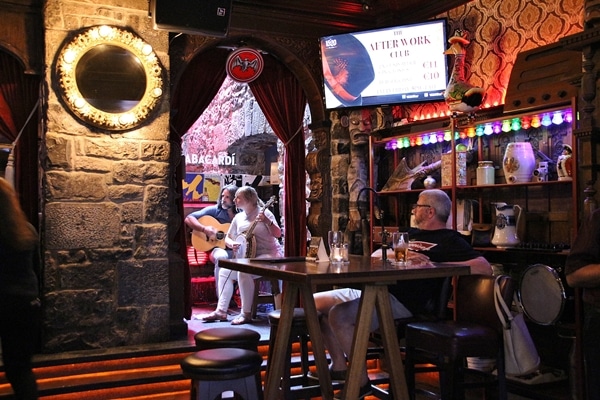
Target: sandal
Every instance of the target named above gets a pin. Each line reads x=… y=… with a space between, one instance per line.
x=215 y=316
x=241 y=319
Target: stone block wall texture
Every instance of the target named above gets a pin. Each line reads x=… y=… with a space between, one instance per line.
x=106 y=205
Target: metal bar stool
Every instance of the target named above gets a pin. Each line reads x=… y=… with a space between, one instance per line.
x=237 y=337
x=304 y=387
x=476 y=332
x=229 y=337
x=215 y=371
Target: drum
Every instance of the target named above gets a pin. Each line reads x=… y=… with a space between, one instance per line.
x=542 y=294
x=247 y=247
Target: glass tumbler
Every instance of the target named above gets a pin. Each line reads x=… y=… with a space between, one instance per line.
x=400 y=246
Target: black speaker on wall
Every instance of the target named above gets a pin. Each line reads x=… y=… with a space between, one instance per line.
x=208 y=17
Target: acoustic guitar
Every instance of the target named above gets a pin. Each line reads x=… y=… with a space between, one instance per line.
x=202 y=242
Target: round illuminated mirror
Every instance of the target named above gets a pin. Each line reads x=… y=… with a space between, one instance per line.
x=109 y=77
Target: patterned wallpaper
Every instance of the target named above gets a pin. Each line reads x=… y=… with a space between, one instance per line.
x=499 y=30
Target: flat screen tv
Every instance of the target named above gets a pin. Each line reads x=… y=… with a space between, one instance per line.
x=400 y=64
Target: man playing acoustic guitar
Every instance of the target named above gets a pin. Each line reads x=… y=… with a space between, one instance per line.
x=253 y=233
x=210 y=226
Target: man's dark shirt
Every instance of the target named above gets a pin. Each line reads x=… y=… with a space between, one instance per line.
x=440 y=245
x=216 y=212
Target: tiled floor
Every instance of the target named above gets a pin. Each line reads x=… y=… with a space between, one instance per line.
x=260 y=323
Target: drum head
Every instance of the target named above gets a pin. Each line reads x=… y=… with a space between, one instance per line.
x=542 y=294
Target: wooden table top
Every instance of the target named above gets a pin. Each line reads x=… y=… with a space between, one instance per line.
x=359 y=269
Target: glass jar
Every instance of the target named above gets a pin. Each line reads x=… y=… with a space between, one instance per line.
x=485 y=173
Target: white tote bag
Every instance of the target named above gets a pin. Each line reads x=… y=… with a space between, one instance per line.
x=520 y=355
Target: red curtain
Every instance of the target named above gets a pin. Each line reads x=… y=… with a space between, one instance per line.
x=197 y=86
x=283 y=102
x=19 y=94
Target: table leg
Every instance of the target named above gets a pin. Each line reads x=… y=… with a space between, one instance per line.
x=360 y=342
x=375 y=297
x=316 y=340
x=390 y=344
x=276 y=365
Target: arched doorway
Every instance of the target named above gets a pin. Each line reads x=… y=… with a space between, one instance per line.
x=232 y=143
x=282 y=98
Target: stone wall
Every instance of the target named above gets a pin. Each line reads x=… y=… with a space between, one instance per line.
x=107 y=212
x=233 y=124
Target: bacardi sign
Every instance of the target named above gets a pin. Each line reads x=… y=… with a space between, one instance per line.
x=221 y=159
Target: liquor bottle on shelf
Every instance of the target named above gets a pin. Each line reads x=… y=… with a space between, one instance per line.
x=205 y=198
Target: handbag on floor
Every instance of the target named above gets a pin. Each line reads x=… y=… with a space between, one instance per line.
x=520 y=355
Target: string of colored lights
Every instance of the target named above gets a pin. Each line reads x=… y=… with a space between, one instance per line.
x=546 y=119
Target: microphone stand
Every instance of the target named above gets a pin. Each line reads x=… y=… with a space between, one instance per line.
x=384 y=234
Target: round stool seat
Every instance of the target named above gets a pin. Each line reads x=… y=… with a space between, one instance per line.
x=298 y=320
x=241 y=338
x=221 y=364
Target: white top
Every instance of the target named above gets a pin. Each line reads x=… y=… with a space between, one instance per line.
x=266 y=244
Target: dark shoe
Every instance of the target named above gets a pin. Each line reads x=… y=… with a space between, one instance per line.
x=215 y=316
x=362 y=393
x=336 y=376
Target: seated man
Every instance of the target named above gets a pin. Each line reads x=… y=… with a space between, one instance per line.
x=437 y=244
x=216 y=217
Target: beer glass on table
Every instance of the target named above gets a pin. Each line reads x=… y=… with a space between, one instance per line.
x=400 y=246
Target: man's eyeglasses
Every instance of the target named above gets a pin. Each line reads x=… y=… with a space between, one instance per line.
x=413 y=206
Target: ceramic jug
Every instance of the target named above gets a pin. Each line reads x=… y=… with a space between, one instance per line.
x=518 y=162
x=505 y=231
